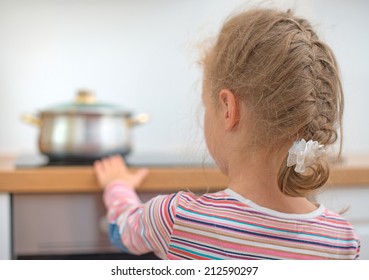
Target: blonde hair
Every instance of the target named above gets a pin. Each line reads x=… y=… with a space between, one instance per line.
x=276 y=63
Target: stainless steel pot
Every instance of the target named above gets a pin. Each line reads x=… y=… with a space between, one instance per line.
x=85 y=129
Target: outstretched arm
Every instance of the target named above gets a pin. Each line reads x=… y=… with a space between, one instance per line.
x=133 y=226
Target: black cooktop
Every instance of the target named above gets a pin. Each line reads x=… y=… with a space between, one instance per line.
x=148 y=160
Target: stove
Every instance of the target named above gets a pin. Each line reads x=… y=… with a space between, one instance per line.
x=37 y=160
x=134 y=160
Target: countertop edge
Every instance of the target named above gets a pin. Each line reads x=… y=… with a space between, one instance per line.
x=83 y=180
x=351 y=172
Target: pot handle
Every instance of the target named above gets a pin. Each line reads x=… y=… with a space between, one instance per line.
x=139 y=119
x=31 y=119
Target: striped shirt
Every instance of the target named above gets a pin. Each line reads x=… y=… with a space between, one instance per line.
x=223 y=225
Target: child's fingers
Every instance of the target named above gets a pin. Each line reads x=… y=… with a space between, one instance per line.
x=99 y=171
x=98 y=166
x=119 y=159
x=108 y=163
x=114 y=168
x=115 y=163
x=140 y=175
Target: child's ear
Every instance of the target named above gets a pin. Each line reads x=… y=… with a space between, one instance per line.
x=230 y=109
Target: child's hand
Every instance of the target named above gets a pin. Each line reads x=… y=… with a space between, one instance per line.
x=114 y=168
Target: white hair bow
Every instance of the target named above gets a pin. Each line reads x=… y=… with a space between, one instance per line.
x=304 y=154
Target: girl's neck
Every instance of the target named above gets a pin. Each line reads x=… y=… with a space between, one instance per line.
x=255 y=178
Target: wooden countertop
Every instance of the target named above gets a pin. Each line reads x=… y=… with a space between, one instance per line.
x=353 y=171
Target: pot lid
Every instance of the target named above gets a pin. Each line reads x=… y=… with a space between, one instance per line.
x=85 y=103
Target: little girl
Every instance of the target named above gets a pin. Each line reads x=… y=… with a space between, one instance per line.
x=273 y=103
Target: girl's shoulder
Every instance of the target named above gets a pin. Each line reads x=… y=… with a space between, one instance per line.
x=206 y=198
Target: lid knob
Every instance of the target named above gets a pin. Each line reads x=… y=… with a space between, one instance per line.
x=85 y=97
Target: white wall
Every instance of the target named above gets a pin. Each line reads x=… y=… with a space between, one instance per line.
x=142 y=55
x=344 y=25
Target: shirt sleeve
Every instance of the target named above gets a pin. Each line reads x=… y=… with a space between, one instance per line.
x=137 y=227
